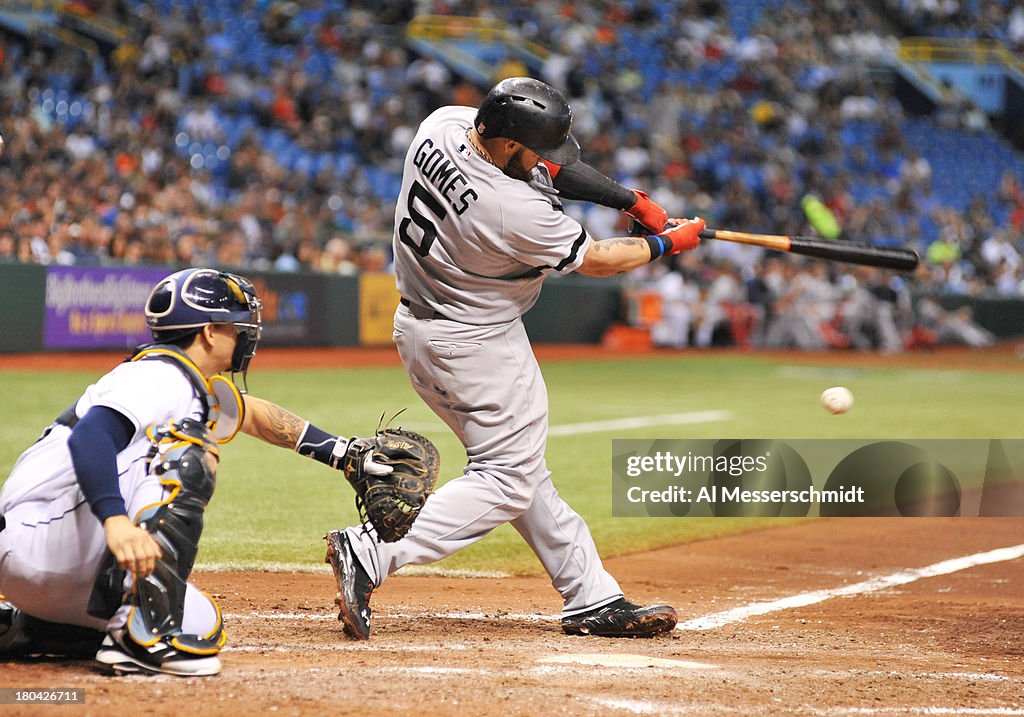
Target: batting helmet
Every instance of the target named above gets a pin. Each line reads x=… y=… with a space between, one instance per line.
x=186 y=301
x=532 y=113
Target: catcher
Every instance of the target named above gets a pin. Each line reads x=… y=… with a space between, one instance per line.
x=101 y=517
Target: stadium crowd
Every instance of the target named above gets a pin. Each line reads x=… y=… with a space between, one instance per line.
x=180 y=148
x=1001 y=20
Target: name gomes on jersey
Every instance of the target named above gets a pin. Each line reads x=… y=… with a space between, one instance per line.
x=439 y=171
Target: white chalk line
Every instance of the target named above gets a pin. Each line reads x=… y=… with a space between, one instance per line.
x=515 y=617
x=344 y=646
x=248 y=566
x=902 y=577
x=660 y=708
x=616 y=424
x=622 y=424
x=932 y=711
x=548 y=664
x=627 y=660
x=277 y=616
x=967 y=676
x=437 y=571
x=318 y=568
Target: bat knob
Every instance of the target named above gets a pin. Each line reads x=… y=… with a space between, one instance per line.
x=636 y=229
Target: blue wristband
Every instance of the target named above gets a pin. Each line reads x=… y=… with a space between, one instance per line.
x=657 y=245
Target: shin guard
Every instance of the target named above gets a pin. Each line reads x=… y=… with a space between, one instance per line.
x=184 y=459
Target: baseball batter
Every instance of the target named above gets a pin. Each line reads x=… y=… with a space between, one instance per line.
x=478 y=228
x=100 y=518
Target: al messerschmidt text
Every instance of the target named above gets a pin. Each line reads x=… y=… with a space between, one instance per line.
x=715 y=493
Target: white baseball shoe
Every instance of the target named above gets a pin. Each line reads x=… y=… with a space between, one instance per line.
x=122 y=655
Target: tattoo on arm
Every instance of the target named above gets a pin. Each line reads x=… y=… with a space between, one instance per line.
x=636 y=253
x=277 y=426
x=613 y=243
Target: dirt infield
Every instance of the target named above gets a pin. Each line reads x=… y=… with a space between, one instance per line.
x=872 y=637
x=827 y=617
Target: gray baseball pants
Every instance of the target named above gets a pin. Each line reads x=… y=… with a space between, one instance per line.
x=485 y=383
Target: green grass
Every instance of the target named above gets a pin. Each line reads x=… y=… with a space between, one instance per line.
x=272 y=506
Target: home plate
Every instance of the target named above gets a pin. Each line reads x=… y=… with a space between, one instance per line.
x=626 y=660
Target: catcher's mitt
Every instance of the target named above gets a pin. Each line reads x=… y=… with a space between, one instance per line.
x=391 y=500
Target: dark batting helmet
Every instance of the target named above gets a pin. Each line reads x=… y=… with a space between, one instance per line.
x=188 y=300
x=532 y=113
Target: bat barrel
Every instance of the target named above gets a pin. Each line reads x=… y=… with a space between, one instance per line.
x=853 y=253
x=833 y=250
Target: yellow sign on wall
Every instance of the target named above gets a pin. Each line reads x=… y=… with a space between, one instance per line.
x=378 y=299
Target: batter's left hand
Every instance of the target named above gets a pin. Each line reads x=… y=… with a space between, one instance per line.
x=133 y=547
x=682 y=235
x=648 y=212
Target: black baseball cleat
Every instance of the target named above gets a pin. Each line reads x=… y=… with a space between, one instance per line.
x=354 y=586
x=8 y=613
x=622 y=619
x=12 y=629
x=22 y=634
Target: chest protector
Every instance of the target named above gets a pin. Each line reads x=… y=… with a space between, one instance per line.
x=223 y=407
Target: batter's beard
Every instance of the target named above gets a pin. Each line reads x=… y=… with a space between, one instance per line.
x=514 y=167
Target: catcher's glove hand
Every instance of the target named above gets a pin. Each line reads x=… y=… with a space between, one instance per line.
x=392 y=473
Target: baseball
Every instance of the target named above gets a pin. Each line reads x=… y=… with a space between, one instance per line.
x=837 y=399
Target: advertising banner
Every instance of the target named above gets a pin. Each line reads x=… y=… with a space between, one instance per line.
x=97 y=307
x=102 y=308
x=378 y=298
x=292 y=306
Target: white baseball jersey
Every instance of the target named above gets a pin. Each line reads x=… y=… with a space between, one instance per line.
x=52 y=546
x=146 y=392
x=470 y=242
x=474 y=245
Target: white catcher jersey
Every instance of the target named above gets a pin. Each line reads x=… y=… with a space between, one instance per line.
x=147 y=392
x=470 y=242
x=53 y=545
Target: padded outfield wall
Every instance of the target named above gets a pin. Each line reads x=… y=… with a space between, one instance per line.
x=77 y=308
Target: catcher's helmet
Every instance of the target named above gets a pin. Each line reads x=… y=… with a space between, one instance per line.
x=186 y=301
x=532 y=113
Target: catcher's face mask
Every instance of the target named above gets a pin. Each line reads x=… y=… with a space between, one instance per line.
x=186 y=301
x=249 y=332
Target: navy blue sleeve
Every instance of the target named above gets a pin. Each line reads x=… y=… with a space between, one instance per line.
x=94 y=443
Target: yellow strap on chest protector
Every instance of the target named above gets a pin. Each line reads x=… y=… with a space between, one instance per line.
x=227 y=414
x=222 y=403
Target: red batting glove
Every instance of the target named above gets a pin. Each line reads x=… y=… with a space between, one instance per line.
x=684 y=236
x=647 y=212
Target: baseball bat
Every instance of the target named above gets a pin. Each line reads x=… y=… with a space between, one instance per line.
x=835 y=250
